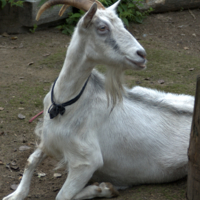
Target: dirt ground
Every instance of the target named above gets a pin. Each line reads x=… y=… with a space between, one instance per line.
x=29 y=63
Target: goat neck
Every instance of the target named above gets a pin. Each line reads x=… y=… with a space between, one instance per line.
x=75 y=72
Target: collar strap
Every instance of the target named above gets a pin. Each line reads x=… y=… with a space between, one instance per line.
x=56 y=109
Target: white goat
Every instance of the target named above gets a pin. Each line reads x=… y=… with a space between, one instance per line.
x=140 y=136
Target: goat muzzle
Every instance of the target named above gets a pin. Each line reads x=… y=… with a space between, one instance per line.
x=80 y=4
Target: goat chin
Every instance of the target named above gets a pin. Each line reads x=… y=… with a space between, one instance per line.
x=114 y=85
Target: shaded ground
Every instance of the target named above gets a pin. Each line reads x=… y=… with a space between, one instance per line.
x=31 y=62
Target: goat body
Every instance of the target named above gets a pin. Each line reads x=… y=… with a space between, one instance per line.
x=142 y=139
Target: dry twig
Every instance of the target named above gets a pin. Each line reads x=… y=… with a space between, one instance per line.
x=192 y=14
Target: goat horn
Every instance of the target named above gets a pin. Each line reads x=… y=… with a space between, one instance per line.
x=62 y=10
x=80 y=4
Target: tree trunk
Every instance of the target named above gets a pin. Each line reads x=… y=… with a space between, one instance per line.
x=193 y=184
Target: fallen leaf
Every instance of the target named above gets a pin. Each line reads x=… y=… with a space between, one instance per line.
x=13 y=187
x=194 y=35
x=20 y=116
x=186 y=48
x=161 y=81
x=31 y=63
x=24 y=148
x=20 y=108
x=1 y=162
x=13 y=38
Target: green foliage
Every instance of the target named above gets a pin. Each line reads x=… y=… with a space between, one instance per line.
x=127 y=11
x=71 y=21
x=33 y=29
x=12 y=3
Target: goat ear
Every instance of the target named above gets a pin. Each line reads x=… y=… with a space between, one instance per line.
x=114 y=6
x=89 y=15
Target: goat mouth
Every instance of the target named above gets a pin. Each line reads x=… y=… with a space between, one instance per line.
x=139 y=64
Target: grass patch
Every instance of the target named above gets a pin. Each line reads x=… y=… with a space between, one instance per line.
x=25 y=96
x=170 y=66
x=54 y=60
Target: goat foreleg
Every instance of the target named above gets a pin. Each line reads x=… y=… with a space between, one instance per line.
x=81 y=169
x=22 y=191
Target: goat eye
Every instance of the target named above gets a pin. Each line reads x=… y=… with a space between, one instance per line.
x=102 y=28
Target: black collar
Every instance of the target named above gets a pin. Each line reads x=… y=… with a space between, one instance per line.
x=56 y=109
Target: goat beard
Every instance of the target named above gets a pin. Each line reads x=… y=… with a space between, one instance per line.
x=114 y=85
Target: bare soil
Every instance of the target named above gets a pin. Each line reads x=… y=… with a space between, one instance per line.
x=29 y=63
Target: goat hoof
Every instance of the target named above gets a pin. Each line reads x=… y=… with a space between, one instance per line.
x=108 y=186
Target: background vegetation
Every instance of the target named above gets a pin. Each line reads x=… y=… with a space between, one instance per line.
x=127 y=11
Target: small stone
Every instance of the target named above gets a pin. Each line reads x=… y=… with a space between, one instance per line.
x=14 y=167
x=5 y=34
x=41 y=174
x=56 y=189
x=2 y=133
x=191 y=69
x=161 y=81
x=47 y=54
x=8 y=166
x=31 y=63
x=13 y=163
x=13 y=187
x=138 y=82
x=1 y=108
x=1 y=162
x=24 y=148
x=21 y=46
x=186 y=48
x=20 y=116
x=57 y=175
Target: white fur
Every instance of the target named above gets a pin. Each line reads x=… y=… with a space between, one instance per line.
x=142 y=139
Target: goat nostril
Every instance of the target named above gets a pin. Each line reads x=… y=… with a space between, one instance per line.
x=142 y=53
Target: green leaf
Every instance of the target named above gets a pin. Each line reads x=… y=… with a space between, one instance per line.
x=131 y=5
x=3 y=3
x=125 y=21
x=41 y=2
x=76 y=15
x=120 y=9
